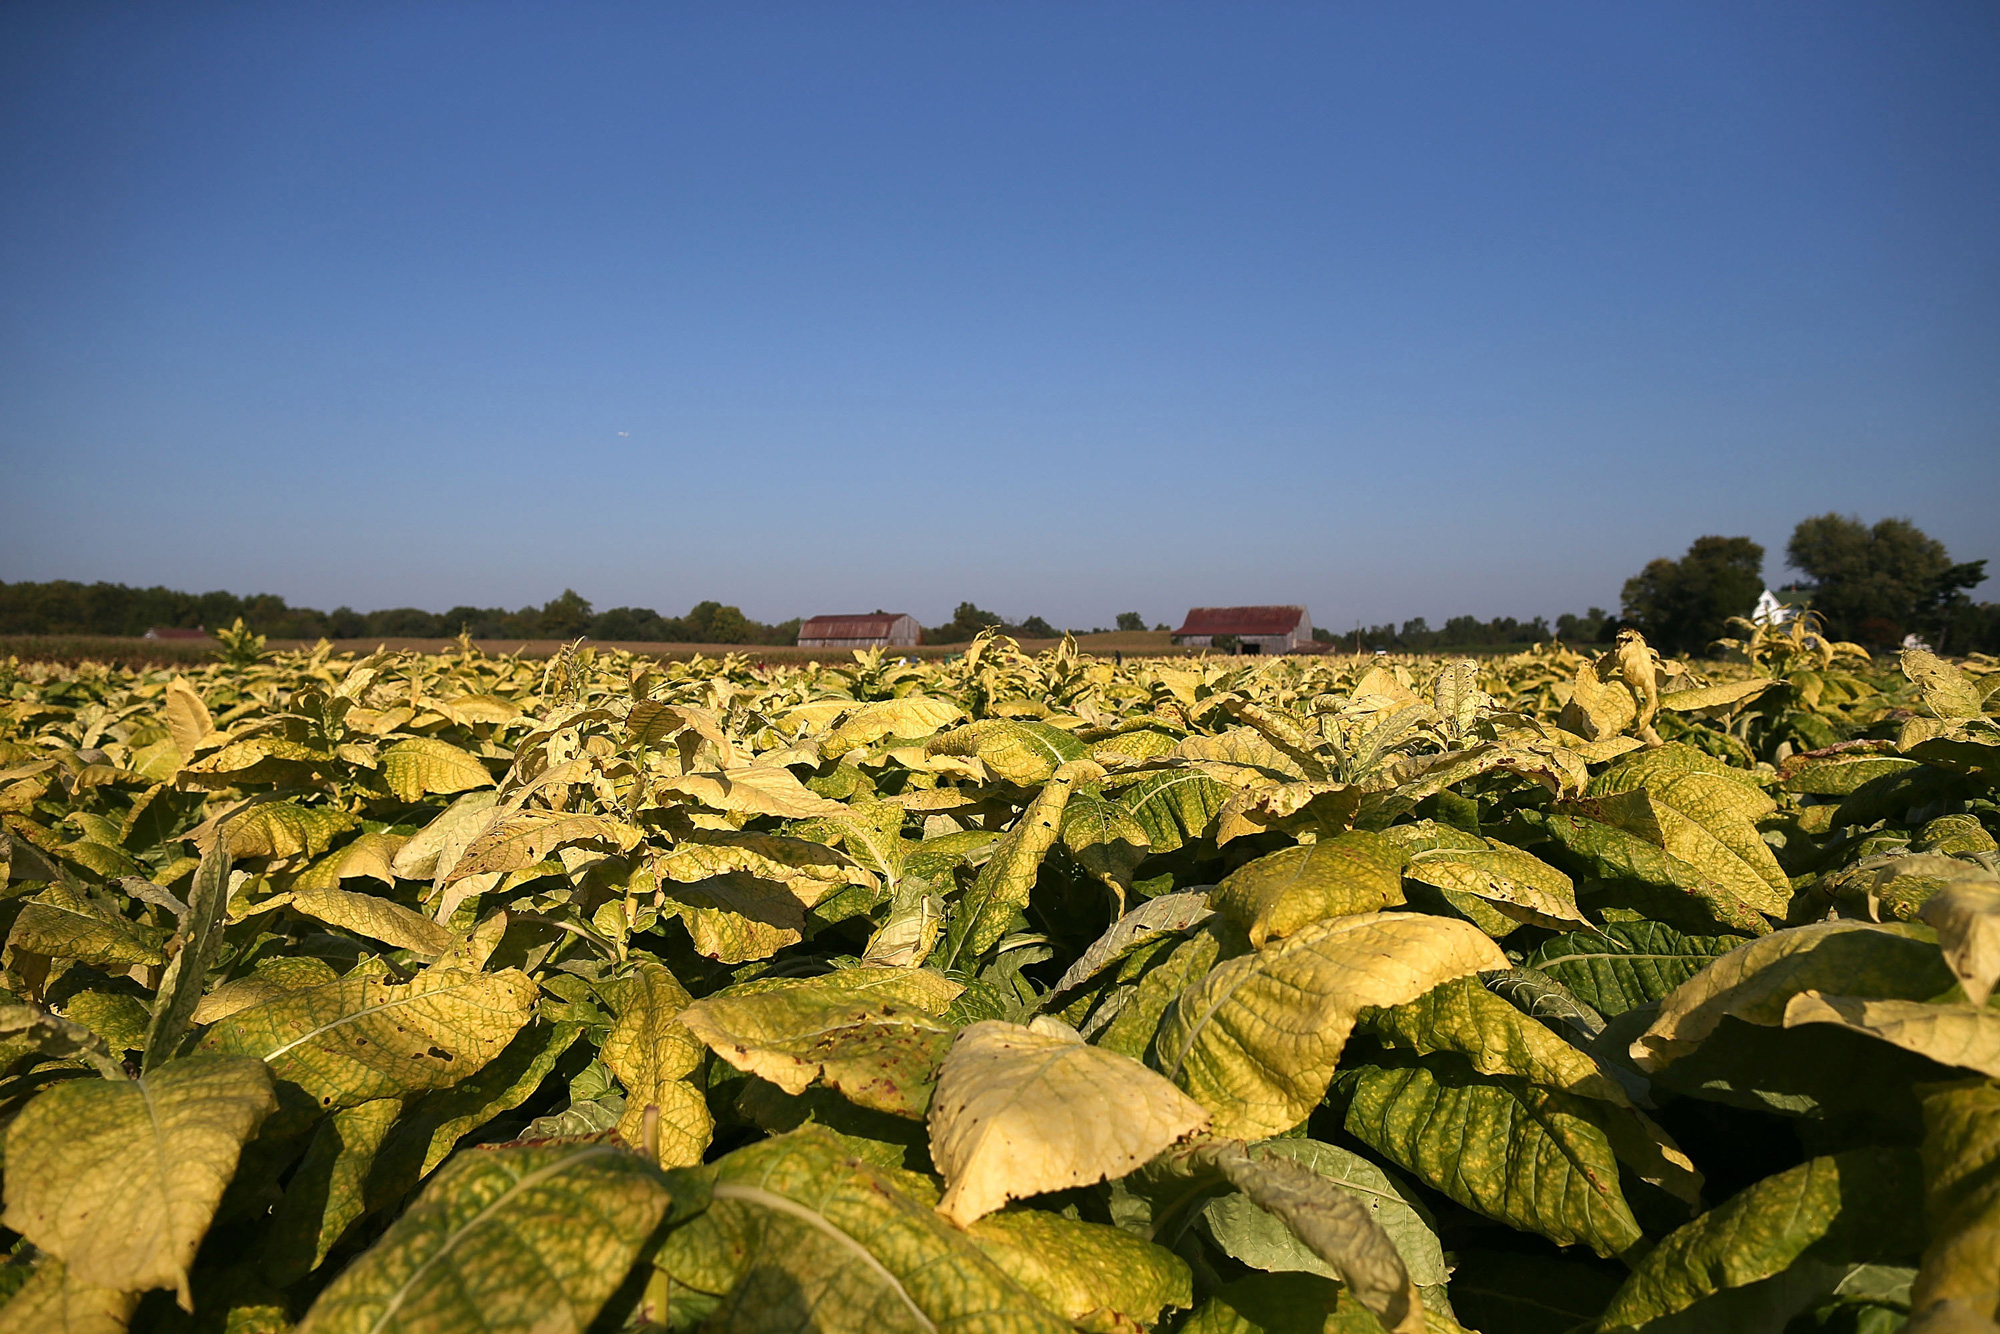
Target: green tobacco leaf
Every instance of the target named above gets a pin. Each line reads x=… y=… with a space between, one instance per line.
x=654 y=1056
x=1015 y=750
x=1277 y=894
x=1105 y=838
x=524 y=1238
x=1262 y=1240
x=1174 y=808
x=797 y=1226
x=119 y=1179
x=1530 y=1157
x=421 y=766
x=327 y=1192
x=1707 y=818
x=433 y=1123
x=1623 y=965
x=1091 y=1275
x=1859 y=1205
x=186 y=976
x=1336 y=1227
x=1008 y=877
x=1636 y=861
x=364 y=1037
x=909 y=717
x=1462 y=1016
x=1257 y=1039
x=1960 y=1276
x=63 y=923
x=1756 y=981
x=1169 y=912
x=1022 y=1110
x=1136 y=1010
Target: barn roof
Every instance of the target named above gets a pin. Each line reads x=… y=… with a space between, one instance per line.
x=874 y=625
x=1241 y=621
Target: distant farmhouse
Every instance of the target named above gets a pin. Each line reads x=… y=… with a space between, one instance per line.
x=1256 y=629
x=882 y=629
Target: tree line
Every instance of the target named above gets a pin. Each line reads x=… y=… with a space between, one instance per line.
x=1873 y=585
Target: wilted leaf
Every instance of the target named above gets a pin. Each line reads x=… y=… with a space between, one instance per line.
x=1257 y=1039
x=518 y=1238
x=753 y=790
x=876 y=1051
x=527 y=836
x=1948 y=694
x=118 y=1179
x=1019 y=1111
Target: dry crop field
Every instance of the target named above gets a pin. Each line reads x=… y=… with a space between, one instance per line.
x=452 y=992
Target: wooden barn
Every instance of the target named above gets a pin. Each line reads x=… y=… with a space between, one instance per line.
x=881 y=629
x=1256 y=629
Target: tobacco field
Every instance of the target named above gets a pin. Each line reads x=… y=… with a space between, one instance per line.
x=461 y=993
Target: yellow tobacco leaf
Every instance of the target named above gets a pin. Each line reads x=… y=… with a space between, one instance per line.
x=1276 y=895
x=365 y=1037
x=1019 y=1111
x=374 y=917
x=118 y=1179
x=652 y=1053
x=424 y=765
x=1257 y=1039
x=1967 y=917
x=1963 y=1035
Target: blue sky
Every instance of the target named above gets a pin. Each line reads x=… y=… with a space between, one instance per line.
x=1068 y=309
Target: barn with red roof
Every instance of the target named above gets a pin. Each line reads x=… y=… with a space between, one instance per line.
x=1256 y=629
x=880 y=629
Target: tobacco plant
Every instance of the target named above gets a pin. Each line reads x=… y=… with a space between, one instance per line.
x=1545 y=993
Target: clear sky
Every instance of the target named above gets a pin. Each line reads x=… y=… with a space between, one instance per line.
x=1066 y=308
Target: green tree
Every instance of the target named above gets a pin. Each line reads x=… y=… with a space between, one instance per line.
x=1131 y=620
x=1683 y=606
x=964 y=624
x=1877 y=584
x=566 y=617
